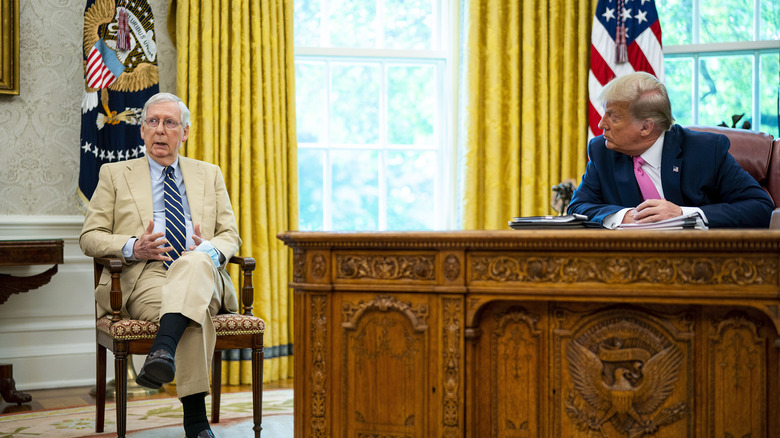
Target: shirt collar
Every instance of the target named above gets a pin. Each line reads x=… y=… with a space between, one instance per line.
x=156 y=169
x=652 y=156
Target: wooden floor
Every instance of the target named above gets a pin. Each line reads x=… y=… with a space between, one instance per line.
x=72 y=397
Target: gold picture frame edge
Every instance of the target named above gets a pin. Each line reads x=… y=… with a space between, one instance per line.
x=9 y=40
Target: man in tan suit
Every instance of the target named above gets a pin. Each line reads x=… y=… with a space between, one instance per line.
x=180 y=285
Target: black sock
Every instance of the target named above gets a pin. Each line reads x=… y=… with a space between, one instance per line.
x=195 y=419
x=172 y=326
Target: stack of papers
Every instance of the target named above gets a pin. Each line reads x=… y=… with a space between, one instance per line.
x=551 y=222
x=689 y=221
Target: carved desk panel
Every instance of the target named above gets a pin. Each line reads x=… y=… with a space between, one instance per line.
x=539 y=333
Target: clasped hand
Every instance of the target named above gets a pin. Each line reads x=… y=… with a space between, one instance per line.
x=154 y=246
x=652 y=210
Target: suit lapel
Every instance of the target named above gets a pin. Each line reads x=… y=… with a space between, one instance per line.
x=193 y=183
x=671 y=166
x=140 y=184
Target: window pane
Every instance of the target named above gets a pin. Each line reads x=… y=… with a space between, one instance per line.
x=306 y=23
x=354 y=103
x=679 y=85
x=726 y=21
x=769 y=75
x=725 y=89
x=408 y=24
x=311 y=81
x=410 y=204
x=355 y=190
x=310 y=189
x=411 y=104
x=676 y=18
x=770 y=20
x=353 y=23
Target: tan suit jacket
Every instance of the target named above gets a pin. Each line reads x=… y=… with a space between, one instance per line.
x=121 y=208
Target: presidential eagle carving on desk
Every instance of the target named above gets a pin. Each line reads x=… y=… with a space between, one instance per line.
x=624 y=372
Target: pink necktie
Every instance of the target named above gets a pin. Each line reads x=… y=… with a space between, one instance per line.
x=645 y=183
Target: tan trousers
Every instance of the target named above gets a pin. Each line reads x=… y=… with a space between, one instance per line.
x=192 y=286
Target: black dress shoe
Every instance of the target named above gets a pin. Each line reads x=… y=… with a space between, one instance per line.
x=206 y=434
x=159 y=367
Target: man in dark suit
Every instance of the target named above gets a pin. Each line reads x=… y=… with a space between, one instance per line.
x=170 y=220
x=644 y=169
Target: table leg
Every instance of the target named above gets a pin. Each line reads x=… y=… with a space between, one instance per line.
x=8 y=386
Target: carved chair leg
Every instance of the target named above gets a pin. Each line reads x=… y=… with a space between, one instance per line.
x=257 y=389
x=100 y=386
x=120 y=377
x=216 y=385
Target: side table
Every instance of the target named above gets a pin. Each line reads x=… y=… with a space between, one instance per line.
x=24 y=253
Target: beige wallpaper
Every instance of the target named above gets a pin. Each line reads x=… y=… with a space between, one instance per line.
x=39 y=129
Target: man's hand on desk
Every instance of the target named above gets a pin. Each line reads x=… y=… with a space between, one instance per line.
x=149 y=245
x=652 y=210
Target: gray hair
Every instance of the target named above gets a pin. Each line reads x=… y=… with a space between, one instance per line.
x=646 y=96
x=168 y=97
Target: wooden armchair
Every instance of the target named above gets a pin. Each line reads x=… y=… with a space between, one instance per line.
x=127 y=336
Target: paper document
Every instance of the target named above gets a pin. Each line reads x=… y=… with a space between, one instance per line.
x=688 y=221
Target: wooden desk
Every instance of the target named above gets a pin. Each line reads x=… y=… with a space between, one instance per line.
x=540 y=333
x=24 y=253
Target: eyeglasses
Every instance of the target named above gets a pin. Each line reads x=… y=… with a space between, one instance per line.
x=168 y=123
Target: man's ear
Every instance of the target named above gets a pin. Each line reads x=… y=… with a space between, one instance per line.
x=648 y=125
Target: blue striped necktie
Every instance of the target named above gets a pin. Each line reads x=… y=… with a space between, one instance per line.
x=174 y=218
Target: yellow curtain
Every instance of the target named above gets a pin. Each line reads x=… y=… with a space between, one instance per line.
x=525 y=105
x=235 y=71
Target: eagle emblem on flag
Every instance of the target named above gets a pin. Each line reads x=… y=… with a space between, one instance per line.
x=120 y=74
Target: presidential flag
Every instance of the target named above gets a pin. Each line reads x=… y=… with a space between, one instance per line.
x=626 y=38
x=120 y=75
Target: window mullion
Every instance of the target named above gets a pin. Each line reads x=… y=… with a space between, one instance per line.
x=696 y=21
x=756 y=126
x=327 y=172
x=382 y=185
x=756 y=20
x=325 y=26
x=380 y=24
x=695 y=89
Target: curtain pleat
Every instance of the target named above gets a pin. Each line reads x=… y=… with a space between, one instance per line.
x=235 y=71
x=524 y=108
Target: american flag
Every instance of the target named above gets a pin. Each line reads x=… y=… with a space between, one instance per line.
x=102 y=71
x=626 y=38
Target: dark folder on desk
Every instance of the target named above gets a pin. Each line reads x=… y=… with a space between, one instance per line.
x=552 y=222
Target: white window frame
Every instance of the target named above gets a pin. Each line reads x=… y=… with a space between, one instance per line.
x=695 y=51
x=446 y=60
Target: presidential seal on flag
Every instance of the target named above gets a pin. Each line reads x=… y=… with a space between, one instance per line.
x=120 y=74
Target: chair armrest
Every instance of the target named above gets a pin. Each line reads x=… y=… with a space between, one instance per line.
x=247 y=265
x=115 y=296
x=113 y=265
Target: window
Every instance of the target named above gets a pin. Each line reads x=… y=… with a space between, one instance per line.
x=372 y=83
x=721 y=60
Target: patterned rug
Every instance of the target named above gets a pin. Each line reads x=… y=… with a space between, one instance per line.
x=155 y=418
